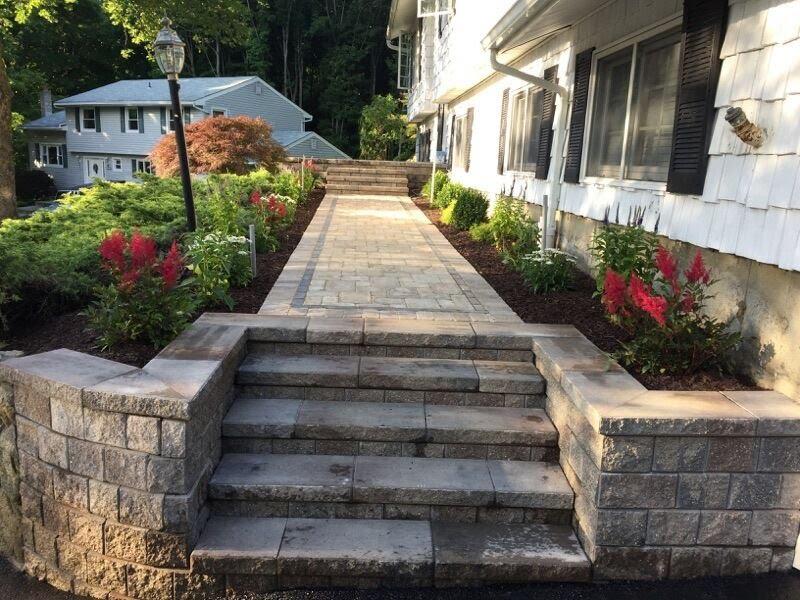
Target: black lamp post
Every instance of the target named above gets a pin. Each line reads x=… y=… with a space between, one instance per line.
x=169 y=51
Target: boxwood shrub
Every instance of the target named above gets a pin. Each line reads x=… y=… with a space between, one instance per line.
x=466 y=206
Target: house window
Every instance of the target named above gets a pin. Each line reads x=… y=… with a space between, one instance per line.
x=132 y=119
x=634 y=110
x=143 y=166
x=88 y=118
x=116 y=164
x=314 y=143
x=51 y=155
x=217 y=113
x=526 y=122
x=460 y=143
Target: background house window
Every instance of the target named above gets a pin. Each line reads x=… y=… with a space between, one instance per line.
x=143 y=166
x=132 y=120
x=526 y=122
x=51 y=155
x=116 y=164
x=89 y=119
x=634 y=111
x=217 y=113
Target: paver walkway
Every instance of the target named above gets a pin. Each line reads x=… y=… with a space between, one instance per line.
x=380 y=256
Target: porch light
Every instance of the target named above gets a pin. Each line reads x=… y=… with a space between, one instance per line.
x=169 y=50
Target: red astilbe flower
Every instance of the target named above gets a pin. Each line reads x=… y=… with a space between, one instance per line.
x=687 y=302
x=143 y=251
x=642 y=298
x=255 y=197
x=697 y=271
x=112 y=250
x=171 y=267
x=614 y=288
x=668 y=267
x=276 y=207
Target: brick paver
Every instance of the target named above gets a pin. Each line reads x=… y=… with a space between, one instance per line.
x=379 y=256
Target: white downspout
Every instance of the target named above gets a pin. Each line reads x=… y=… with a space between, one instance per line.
x=550 y=205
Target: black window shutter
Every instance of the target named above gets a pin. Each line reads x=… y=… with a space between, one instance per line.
x=187 y=115
x=703 y=29
x=141 y=120
x=122 y=110
x=133 y=165
x=452 y=139
x=37 y=151
x=64 y=155
x=440 y=132
x=468 y=149
x=577 y=127
x=77 y=119
x=163 y=120
x=501 y=150
x=98 y=127
x=546 y=128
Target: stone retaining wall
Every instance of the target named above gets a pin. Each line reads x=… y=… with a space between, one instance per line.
x=672 y=484
x=114 y=463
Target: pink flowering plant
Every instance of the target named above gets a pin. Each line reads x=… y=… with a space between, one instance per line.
x=273 y=213
x=146 y=299
x=670 y=333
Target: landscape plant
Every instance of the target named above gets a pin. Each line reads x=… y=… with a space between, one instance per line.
x=624 y=250
x=439 y=179
x=217 y=261
x=466 y=207
x=146 y=299
x=510 y=229
x=546 y=271
x=221 y=145
x=670 y=332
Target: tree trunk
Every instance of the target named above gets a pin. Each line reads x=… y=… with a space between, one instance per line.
x=8 y=202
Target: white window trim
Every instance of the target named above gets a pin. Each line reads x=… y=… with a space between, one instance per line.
x=140 y=162
x=128 y=119
x=640 y=36
x=83 y=119
x=214 y=109
x=43 y=154
x=114 y=161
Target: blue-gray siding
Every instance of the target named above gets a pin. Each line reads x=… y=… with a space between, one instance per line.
x=274 y=108
x=323 y=150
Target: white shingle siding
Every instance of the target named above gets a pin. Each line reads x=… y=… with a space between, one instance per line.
x=750 y=205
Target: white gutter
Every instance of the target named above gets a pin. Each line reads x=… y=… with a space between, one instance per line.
x=550 y=202
x=522 y=12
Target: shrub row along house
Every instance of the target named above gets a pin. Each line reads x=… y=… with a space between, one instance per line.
x=616 y=111
x=108 y=132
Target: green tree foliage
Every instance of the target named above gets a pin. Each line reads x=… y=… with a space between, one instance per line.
x=384 y=130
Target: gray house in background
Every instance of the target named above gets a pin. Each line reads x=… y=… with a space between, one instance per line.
x=108 y=132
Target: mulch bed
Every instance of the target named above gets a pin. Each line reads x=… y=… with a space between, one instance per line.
x=577 y=307
x=71 y=330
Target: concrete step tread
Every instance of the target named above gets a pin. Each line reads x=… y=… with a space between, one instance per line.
x=411 y=551
x=368 y=177
x=391 y=373
x=387 y=422
x=391 y=332
x=381 y=479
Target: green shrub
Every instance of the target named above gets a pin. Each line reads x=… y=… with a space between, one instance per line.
x=510 y=228
x=548 y=271
x=440 y=179
x=467 y=208
x=624 y=250
x=218 y=261
x=287 y=183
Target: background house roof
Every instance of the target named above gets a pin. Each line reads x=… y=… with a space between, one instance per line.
x=287 y=139
x=57 y=120
x=154 y=91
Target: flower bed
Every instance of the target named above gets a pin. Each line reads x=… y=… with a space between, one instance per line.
x=47 y=313
x=576 y=306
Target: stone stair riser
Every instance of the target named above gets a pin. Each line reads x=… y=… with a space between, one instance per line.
x=251 y=445
x=388 y=511
x=337 y=394
x=365 y=178
x=302 y=349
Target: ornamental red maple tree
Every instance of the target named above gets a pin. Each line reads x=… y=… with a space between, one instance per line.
x=220 y=145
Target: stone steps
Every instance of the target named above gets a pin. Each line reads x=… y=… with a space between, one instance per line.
x=262 y=554
x=364 y=189
x=283 y=426
x=413 y=374
x=382 y=487
x=339 y=177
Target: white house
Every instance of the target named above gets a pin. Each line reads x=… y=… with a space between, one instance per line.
x=109 y=132
x=615 y=110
